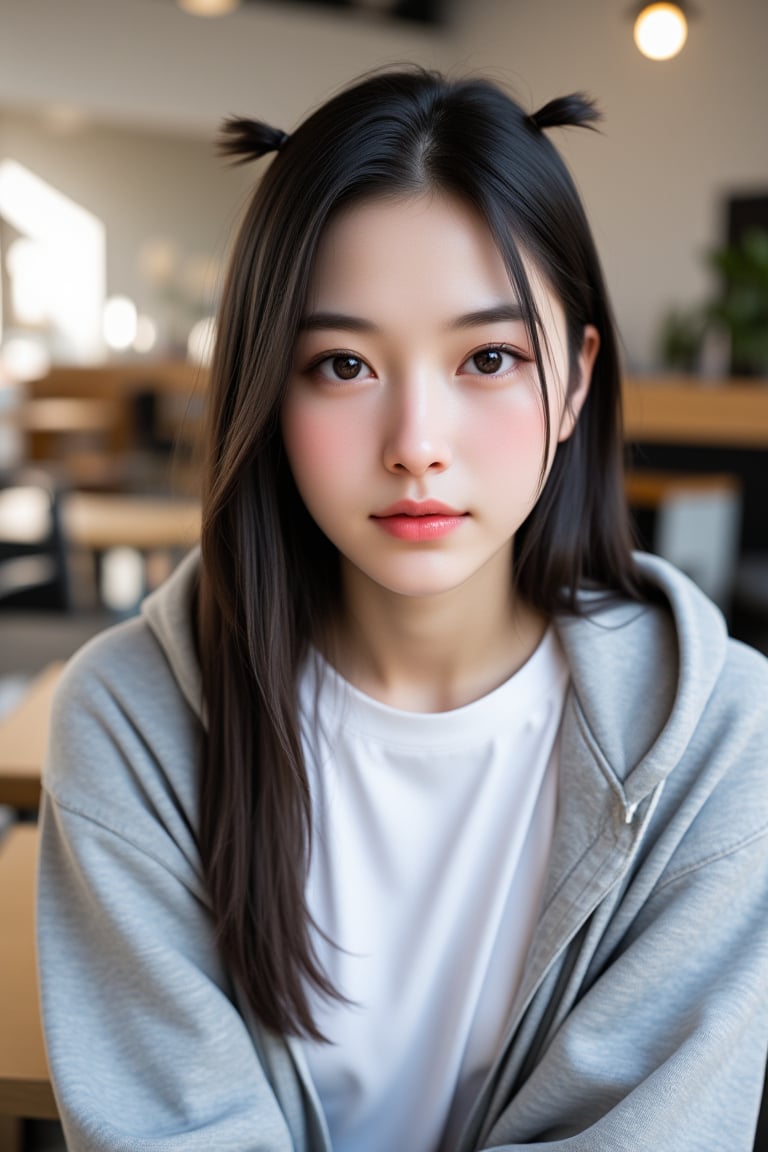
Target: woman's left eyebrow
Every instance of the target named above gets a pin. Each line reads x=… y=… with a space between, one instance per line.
x=493 y=315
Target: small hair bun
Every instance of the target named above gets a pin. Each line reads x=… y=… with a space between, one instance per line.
x=249 y=139
x=574 y=111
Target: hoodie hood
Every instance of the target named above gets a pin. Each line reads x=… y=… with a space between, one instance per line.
x=641 y=675
x=169 y=613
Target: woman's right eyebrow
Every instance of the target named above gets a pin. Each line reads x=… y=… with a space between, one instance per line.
x=321 y=320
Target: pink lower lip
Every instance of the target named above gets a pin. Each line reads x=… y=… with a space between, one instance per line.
x=419 y=528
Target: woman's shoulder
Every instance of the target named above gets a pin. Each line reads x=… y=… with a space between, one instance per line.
x=122 y=667
x=124 y=740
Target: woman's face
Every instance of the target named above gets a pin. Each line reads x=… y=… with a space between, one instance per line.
x=413 y=420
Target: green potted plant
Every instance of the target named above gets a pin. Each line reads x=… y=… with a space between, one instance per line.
x=741 y=306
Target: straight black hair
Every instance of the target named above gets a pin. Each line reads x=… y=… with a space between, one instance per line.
x=269 y=577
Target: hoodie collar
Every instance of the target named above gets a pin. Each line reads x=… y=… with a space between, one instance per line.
x=641 y=676
x=169 y=612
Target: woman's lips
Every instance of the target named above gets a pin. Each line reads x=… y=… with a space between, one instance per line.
x=419 y=522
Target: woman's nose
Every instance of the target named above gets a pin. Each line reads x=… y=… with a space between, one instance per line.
x=417 y=438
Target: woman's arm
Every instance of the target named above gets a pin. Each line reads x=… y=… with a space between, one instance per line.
x=665 y=1048
x=147 y=1046
x=649 y=1030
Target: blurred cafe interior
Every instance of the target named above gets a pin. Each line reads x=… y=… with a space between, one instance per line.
x=115 y=220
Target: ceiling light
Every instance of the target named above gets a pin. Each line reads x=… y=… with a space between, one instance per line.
x=661 y=30
x=208 y=7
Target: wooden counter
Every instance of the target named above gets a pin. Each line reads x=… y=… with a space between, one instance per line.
x=687 y=410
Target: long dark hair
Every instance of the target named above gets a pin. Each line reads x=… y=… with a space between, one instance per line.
x=269 y=577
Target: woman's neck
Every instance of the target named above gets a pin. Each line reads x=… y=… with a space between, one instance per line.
x=432 y=654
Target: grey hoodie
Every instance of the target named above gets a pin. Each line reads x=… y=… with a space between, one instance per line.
x=642 y=1019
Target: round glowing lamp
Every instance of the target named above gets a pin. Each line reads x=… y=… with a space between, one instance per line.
x=661 y=31
x=208 y=7
x=119 y=323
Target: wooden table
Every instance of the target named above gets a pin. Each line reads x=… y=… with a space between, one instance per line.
x=25 y=1088
x=177 y=386
x=62 y=414
x=687 y=410
x=24 y=740
x=99 y=521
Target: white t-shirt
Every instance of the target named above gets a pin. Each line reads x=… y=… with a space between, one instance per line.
x=432 y=834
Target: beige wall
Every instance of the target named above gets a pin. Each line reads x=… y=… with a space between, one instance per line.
x=146 y=60
x=677 y=137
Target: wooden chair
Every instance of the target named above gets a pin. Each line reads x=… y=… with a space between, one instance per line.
x=695 y=521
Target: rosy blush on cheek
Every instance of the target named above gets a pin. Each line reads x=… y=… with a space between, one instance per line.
x=313 y=437
x=323 y=447
x=509 y=449
x=517 y=428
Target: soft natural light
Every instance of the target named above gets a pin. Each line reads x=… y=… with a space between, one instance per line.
x=30 y=276
x=25 y=358
x=146 y=334
x=25 y=514
x=71 y=244
x=201 y=341
x=661 y=31
x=122 y=578
x=120 y=322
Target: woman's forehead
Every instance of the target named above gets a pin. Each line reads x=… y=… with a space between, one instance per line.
x=428 y=246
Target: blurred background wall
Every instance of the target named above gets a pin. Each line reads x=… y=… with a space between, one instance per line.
x=116 y=102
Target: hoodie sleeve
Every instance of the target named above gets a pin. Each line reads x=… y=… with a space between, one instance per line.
x=658 y=1010
x=146 y=1045
x=667 y=1049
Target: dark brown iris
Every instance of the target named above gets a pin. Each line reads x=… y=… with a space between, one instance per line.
x=347 y=367
x=489 y=360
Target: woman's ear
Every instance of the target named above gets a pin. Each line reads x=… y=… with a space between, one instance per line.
x=590 y=346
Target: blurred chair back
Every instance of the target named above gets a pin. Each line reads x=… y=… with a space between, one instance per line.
x=33 y=560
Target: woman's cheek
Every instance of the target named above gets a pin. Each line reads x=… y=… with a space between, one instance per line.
x=512 y=435
x=317 y=442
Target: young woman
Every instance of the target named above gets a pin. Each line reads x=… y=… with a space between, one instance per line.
x=414 y=814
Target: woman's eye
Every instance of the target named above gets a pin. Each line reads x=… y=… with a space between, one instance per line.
x=342 y=366
x=492 y=361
